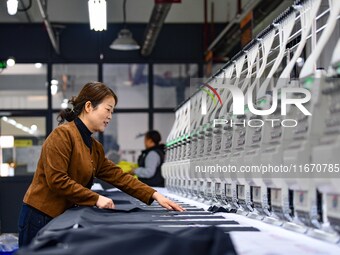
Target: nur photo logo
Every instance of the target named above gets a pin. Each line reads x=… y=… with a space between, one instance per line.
x=278 y=106
x=239 y=100
x=211 y=92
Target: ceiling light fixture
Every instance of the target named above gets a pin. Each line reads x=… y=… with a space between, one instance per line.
x=10 y=62
x=38 y=65
x=97 y=14
x=12 y=7
x=125 y=39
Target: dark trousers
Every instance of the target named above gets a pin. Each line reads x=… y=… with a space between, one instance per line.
x=31 y=221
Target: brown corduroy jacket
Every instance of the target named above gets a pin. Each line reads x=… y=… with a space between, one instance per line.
x=66 y=166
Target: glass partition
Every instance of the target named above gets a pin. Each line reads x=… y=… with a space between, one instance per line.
x=21 y=139
x=172 y=83
x=129 y=82
x=23 y=86
x=68 y=80
x=124 y=137
x=163 y=123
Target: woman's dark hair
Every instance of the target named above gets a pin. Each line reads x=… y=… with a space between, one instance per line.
x=95 y=92
x=154 y=135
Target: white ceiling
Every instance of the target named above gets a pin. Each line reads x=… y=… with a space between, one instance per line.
x=138 y=11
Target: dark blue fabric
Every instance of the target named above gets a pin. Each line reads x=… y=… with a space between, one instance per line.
x=140 y=230
x=88 y=217
x=134 y=241
x=30 y=222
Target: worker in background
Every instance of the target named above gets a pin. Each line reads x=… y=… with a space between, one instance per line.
x=70 y=158
x=151 y=160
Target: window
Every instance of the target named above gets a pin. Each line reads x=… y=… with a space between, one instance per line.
x=129 y=82
x=125 y=135
x=163 y=123
x=172 y=83
x=21 y=140
x=68 y=80
x=23 y=86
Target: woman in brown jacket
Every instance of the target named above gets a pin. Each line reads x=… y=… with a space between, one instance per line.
x=70 y=158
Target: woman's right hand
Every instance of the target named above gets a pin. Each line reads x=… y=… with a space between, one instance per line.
x=104 y=202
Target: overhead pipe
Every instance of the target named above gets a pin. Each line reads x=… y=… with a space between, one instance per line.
x=158 y=15
x=51 y=35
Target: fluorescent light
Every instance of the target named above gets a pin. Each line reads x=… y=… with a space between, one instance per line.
x=12 y=122
x=54 y=86
x=54 y=89
x=19 y=125
x=12 y=7
x=97 y=13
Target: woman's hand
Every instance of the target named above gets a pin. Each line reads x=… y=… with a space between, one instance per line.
x=167 y=203
x=104 y=202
